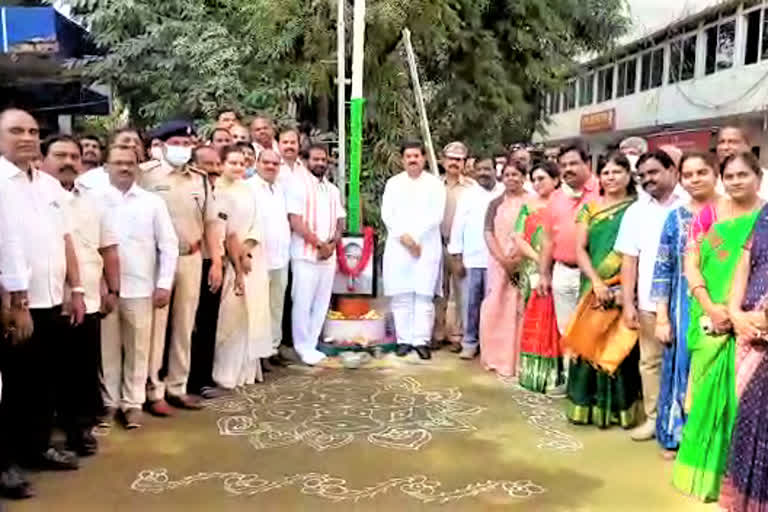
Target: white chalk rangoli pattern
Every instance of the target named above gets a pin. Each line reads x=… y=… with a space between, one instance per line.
x=328 y=413
x=335 y=489
x=544 y=414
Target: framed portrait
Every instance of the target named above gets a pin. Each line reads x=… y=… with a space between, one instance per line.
x=355 y=275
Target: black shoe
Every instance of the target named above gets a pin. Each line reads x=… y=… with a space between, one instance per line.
x=455 y=348
x=14 y=486
x=276 y=361
x=403 y=350
x=266 y=367
x=436 y=344
x=57 y=460
x=82 y=442
x=424 y=352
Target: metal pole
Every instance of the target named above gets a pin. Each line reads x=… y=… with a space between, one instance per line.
x=358 y=44
x=341 y=82
x=420 y=101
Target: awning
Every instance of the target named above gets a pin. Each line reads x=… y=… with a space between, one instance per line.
x=44 y=31
x=59 y=98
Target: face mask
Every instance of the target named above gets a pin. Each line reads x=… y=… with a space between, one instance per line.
x=156 y=153
x=633 y=161
x=178 y=155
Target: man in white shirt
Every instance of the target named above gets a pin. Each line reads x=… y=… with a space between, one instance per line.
x=29 y=369
x=469 y=252
x=288 y=143
x=276 y=232
x=148 y=249
x=638 y=242
x=412 y=209
x=92 y=151
x=79 y=401
x=263 y=134
x=16 y=326
x=98 y=177
x=317 y=220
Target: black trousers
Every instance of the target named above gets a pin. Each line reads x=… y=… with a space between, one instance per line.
x=287 y=312
x=204 y=336
x=78 y=368
x=29 y=372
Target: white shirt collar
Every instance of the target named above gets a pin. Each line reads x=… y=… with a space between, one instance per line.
x=678 y=194
x=134 y=191
x=8 y=169
x=264 y=183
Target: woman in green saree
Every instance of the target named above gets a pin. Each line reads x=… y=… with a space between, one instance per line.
x=603 y=378
x=718 y=235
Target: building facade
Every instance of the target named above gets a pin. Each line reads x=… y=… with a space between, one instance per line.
x=678 y=85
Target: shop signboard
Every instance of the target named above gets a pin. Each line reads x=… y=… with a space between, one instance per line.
x=596 y=122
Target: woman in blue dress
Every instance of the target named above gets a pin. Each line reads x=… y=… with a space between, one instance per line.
x=698 y=176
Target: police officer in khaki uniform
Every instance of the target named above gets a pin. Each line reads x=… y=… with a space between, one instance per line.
x=189 y=198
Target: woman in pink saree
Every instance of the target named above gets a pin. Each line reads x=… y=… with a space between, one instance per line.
x=502 y=309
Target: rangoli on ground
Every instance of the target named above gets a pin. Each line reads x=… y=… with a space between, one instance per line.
x=336 y=489
x=328 y=413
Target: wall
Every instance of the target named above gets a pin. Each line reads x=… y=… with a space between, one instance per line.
x=727 y=93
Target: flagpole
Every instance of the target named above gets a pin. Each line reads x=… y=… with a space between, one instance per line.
x=341 y=83
x=357 y=103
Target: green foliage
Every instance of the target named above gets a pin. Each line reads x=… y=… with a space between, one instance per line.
x=484 y=64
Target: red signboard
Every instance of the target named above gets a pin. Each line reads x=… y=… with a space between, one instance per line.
x=691 y=140
x=596 y=122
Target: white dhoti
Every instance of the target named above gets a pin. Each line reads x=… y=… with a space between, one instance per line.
x=243 y=333
x=311 y=294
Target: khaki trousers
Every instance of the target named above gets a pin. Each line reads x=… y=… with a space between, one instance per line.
x=186 y=296
x=125 y=339
x=449 y=307
x=278 y=281
x=651 y=352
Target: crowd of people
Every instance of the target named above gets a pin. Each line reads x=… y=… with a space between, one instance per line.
x=152 y=273
x=134 y=283
x=638 y=293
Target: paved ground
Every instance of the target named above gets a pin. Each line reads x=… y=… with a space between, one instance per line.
x=404 y=436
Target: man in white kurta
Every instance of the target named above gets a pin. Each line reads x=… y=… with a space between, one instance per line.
x=412 y=209
x=276 y=231
x=317 y=220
